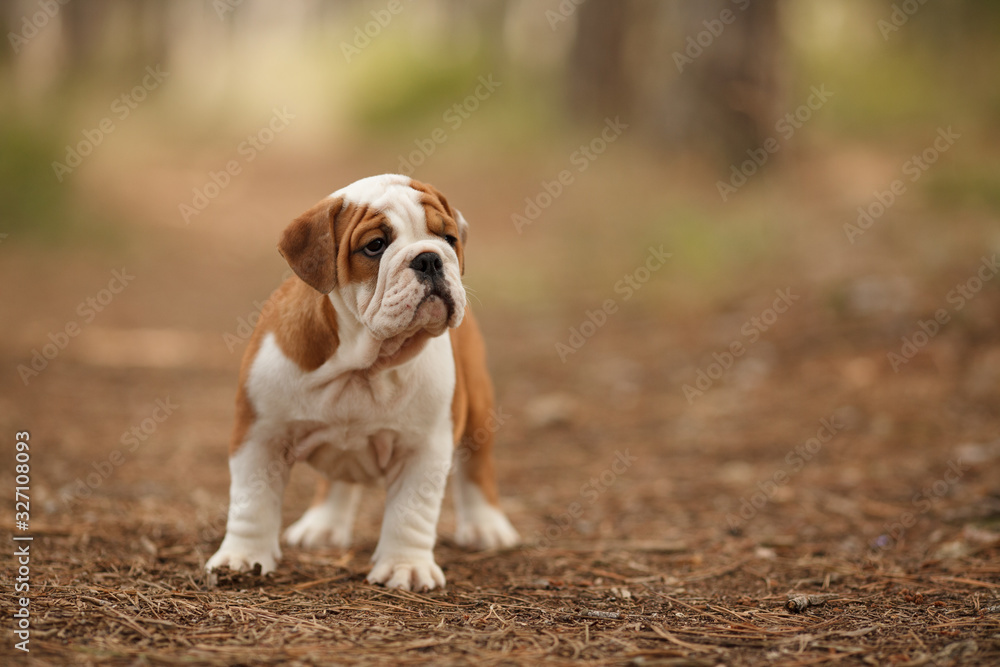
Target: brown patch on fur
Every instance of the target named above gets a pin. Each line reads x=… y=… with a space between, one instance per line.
x=355 y=227
x=441 y=218
x=471 y=407
x=305 y=328
x=245 y=414
x=322 y=491
x=460 y=401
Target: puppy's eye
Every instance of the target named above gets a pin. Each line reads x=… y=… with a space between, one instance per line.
x=451 y=240
x=375 y=247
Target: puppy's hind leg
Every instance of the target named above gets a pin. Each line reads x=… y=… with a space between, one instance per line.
x=480 y=523
x=330 y=520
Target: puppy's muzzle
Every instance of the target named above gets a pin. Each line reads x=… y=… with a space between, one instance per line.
x=430 y=271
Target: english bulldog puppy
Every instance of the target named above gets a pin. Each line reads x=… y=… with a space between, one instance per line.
x=368 y=365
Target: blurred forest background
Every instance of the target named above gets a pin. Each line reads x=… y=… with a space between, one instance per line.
x=366 y=96
x=700 y=86
x=641 y=178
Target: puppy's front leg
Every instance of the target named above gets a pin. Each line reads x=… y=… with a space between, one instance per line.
x=259 y=471
x=404 y=557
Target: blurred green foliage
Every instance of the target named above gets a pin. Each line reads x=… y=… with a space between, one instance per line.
x=34 y=205
x=388 y=97
x=971 y=186
x=32 y=200
x=401 y=92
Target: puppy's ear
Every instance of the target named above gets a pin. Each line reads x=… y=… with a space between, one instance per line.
x=309 y=245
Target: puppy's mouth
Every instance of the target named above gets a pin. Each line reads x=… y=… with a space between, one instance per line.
x=433 y=313
x=438 y=296
x=431 y=317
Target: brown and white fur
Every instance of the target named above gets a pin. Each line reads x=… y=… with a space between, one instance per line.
x=349 y=370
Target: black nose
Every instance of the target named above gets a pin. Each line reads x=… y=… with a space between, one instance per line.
x=427 y=264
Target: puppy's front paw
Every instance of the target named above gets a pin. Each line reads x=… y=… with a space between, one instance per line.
x=485 y=527
x=241 y=554
x=408 y=573
x=318 y=527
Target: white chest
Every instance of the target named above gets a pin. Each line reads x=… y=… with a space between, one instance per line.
x=353 y=426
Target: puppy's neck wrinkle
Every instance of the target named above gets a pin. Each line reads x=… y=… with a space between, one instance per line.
x=357 y=348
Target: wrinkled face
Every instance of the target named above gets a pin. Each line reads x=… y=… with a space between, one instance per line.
x=389 y=250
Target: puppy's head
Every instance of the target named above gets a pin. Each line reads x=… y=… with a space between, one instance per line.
x=391 y=250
